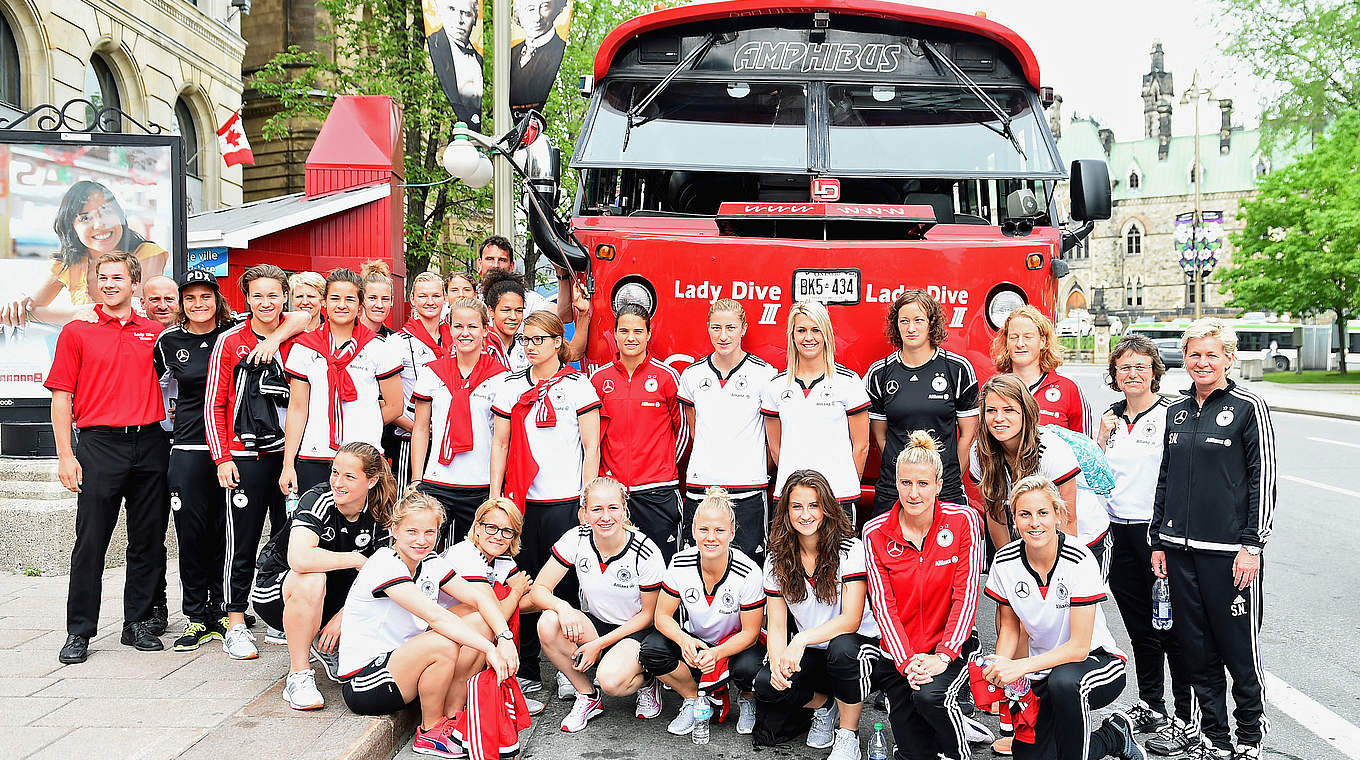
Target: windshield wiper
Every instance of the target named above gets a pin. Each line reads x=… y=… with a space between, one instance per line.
x=987 y=100
x=690 y=61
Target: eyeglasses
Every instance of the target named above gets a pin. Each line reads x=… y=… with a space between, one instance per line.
x=537 y=340
x=506 y=533
x=1133 y=369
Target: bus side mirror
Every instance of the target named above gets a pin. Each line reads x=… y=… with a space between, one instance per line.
x=1090 y=186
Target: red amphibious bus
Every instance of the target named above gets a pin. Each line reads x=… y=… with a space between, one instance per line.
x=838 y=150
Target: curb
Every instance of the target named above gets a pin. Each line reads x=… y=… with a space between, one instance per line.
x=383 y=737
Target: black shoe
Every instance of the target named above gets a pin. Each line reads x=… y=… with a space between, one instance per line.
x=76 y=649
x=880 y=701
x=195 y=635
x=250 y=620
x=1246 y=752
x=1145 y=719
x=1122 y=726
x=139 y=636
x=1172 y=740
x=159 y=620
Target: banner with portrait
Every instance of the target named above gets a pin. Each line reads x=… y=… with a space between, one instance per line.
x=538 y=40
x=1199 y=245
x=63 y=203
x=453 y=33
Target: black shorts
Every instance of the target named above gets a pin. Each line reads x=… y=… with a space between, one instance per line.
x=460 y=505
x=373 y=690
x=604 y=628
x=267 y=596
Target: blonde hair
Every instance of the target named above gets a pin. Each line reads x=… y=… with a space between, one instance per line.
x=414 y=501
x=310 y=279
x=921 y=448
x=511 y=513
x=727 y=304
x=427 y=276
x=1211 y=327
x=1050 y=358
x=376 y=271
x=815 y=311
x=1040 y=485
x=604 y=481
x=467 y=302
x=720 y=501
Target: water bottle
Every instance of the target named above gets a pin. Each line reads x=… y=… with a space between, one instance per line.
x=878 y=744
x=1161 y=605
x=1018 y=689
x=290 y=503
x=702 y=712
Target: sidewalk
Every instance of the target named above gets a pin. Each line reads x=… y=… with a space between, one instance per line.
x=1339 y=402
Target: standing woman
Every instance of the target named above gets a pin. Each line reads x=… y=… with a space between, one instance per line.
x=306 y=289
x=643 y=433
x=504 y=294
x=815 y=574
x=1048 y=593
x=545 y=447
x=460 y=285
x=816 y=411
x=1211 y=518
x=451 y=443
x=344 y=386
x=721 y=398
x=377 y=297
x=921 y=386
x=1133 y=435
x=1027 y=346
x=424 y=338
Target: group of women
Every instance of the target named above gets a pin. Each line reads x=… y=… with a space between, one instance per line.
x=547 y=516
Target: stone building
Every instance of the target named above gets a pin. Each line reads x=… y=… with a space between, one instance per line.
x=1132 y=258
x=174 y=63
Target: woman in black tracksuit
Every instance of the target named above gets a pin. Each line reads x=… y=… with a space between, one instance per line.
x=1210 y=522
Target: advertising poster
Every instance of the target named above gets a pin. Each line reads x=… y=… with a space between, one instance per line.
x=538 y=39
x=453 y=33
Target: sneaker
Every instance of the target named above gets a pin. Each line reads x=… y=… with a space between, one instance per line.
x=529 y=686
x=587 y=706
x=250 y=620
x=880 y=701
x=240 y=643
x=1145 y=719
x=977 y=733
x=684 y=720
x=1172 y=740
x=75 y=650
x=1122 y=725
x=1206 y=751
x=846 y=746
x=159 y=620
x=435 y=741
x=746 y=715
x=822 y=734
x=1002 y=746
x=301 y=693
x=565 y=690
x=535 y=707
x=139 y=637
x=195 y=635
x=330 y=661
x=273 y=635
x=1246 y=752
x=649 y=700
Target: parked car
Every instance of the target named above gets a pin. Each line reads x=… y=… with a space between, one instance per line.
x=1073 y=326
x=1170 y=351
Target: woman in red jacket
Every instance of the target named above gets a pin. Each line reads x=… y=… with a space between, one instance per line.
x=924 y=559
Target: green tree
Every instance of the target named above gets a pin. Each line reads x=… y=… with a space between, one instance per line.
x=1306 y=51
x=1299 y=250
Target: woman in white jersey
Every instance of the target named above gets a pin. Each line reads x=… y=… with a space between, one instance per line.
x=398 y=645
x=713 y=641
x=1048 y=592
x=817 y=411
x=619 y=572
x=815 y=572
x=720 y=394
x=505 y=294
x=377 y=297
x=451 y=440
x=344 y=385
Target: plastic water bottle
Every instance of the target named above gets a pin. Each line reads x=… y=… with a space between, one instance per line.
x=1018 y=689
x=1161 y=605
x=290 y=503
x=878 y=744
x=702 y=712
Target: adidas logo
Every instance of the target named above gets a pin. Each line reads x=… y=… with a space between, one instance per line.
x=913 y=379
x=203 y=345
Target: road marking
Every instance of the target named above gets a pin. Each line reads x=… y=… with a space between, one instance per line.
x=1329 y=726
x=1335 y=443
x=1323 y=486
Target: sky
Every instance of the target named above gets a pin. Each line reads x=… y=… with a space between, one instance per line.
x=1094 y=55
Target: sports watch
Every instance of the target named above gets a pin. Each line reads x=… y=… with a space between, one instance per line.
x=1254 y=551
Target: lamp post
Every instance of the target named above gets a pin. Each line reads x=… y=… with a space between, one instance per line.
x=503 y=188
x=1193 y=95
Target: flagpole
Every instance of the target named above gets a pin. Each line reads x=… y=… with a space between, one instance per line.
x=502 y=187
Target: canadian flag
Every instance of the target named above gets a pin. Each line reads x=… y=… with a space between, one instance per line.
x=231 y=140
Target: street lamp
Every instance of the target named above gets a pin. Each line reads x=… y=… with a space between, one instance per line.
x=1194 y=94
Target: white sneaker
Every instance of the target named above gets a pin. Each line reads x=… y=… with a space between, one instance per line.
x=586 y=707
x=273 y=635
x=846 y=746
x=535 y=707
x=746 y=715
x=528 y=687
x=822 y=734
x=684 y=720
x=301 y=693
x=565 y=690
x=240 y=643
x=977 y=733
x=649 y=700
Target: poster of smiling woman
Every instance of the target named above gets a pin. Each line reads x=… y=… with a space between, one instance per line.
x=453 y=33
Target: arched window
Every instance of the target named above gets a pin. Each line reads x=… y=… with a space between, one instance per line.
x=1134 y=180
x=11 y=99
x=1262 y=168
x=1128 y=292
x=1138 y=296
x=193 y=185
x=101 y=89
x=1133 y=241
x=1196 y=175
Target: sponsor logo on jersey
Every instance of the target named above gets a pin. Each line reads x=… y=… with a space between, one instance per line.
x=895 y=549
x=1224 y=442
x=608 y=386
x=727 y=604
x=1022 y=590
x=692 y=595
x=891 y=387
x=786 y=395
x=583 y=564
x=1224 y=418
x=1180 y=417
x=241 y=351
x=939 y=383
x=705 y=384
x=182 y=355
x=1053 y=394
x=328 y=534
x=651 y=385
x=945 y=537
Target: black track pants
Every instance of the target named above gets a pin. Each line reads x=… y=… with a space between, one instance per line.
x=656 y=512
x=256 y=495
x=198 y=506
x=1066 y=698
x=753 y=522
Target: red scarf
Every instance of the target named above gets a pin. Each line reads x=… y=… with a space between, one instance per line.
x=338 y=382
x=1024 y=712
x=496 y=347
x=458 y=428
x=416 y=329
x=488 y=728
x=521 y=469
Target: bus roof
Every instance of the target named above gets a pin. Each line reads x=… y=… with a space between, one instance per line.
x=961 y=22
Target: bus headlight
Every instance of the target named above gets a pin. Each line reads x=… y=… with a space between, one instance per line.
x=1003 y=300
x=634 y=290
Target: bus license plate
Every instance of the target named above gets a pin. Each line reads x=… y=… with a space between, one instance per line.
x=830 y=286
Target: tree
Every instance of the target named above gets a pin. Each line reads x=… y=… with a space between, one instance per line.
x=1299 y=250
x=1306 y=51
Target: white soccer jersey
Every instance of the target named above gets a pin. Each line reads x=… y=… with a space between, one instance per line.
x=362 y=417
x=712 y=617
x=373 y=624
x=557 y=449
x=729 y=432
x=1044 y=605
x=611 y=587
x=413 y=354
x=811 y=612
x=472 y=565
x=1134 y=453
x=469 y=469
x=814 y=427
x=1059 y=464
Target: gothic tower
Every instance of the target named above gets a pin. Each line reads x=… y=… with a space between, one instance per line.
x=1157 y=92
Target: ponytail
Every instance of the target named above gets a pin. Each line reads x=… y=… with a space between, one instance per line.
x=921 y=448
x=383 y=494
